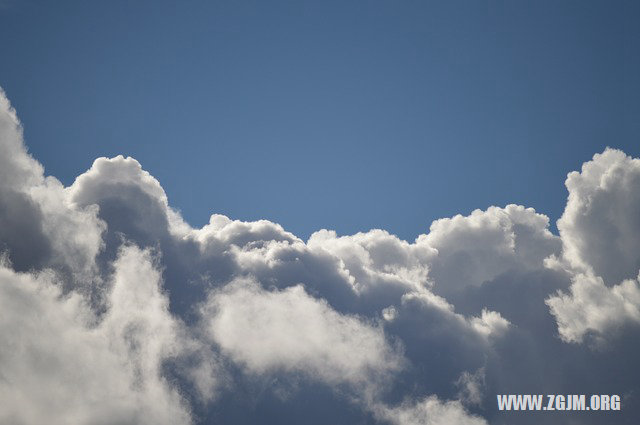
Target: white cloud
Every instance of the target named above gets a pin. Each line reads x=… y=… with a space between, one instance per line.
x=376 y=258
x=430 y=411
x=291 y=331
x=490 y=323
x=18 y=170
x=479 y=247
x=471 y=387
x=599 y=230
x=62 y=364
x=41 y=226
x=601 y=222
x=593 y=307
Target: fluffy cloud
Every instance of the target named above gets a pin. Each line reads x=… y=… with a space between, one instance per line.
x=62 y=364
x=593 y=307
x=478 y=248
x=134 y=317
x=292 y=331
x=599 y=231
x=41 y=226
x=17 y=169
x=600 y=224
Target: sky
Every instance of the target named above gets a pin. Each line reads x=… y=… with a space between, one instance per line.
x=366 y=112
x=318 y=213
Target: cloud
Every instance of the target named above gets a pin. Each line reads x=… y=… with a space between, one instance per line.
x=599 y=230
x=600 y=224
x=17 y=168
x=430 y=411
x=471 y=386
x=61 y=364
x=593 y=307
x=291 y=331
x=134 y=317
x=474 y=249
x=41 y=225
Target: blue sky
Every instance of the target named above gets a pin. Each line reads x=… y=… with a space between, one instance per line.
x=333 y=114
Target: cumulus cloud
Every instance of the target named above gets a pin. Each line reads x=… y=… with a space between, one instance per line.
x=290 y=330
x=600 y=224
x=41 y=226
x=599 y=230
x=474 y=249
x=62 y=364
x=133 y=316
x=593 y=307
